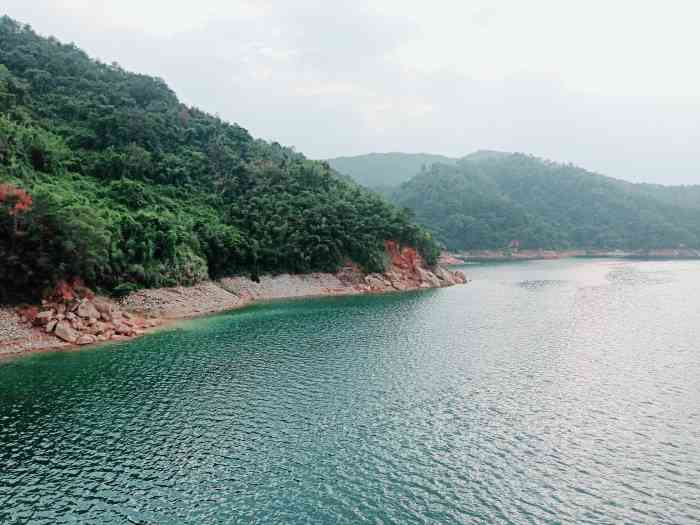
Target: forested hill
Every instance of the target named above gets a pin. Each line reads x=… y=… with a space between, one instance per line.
x=486 y=202
x=381 y=170
x=105 y=175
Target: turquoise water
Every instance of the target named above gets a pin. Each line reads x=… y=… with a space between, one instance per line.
x=542 y=392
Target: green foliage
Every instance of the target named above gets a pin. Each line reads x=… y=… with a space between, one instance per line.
x=124 y=289
x=133 y=188
x=486 y=201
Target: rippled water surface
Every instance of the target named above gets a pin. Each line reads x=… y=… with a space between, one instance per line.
x=543 y=392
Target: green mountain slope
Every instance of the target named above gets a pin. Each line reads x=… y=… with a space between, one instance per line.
x=381 y=170
x=485 y=202
x=129 y=187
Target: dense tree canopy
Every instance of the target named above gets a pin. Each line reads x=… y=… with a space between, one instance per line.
x=487 y=201
x=129 y=187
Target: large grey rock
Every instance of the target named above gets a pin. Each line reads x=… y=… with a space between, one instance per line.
x=429 y=278
x=377 y=282
x=86 y=339
x=95 y=328
x=65 y=331
x=122 y=329
x=459 y=277
x=443 y=274
x=104 y=307
x=87 y=310
x=401 y=285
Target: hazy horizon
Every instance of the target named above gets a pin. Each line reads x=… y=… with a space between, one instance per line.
x=606 y=87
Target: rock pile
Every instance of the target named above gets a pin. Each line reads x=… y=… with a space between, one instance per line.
x=85 y=319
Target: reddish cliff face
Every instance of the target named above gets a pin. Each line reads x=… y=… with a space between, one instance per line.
x=406 y=258
x=407 y=270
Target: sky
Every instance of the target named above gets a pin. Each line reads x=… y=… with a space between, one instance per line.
x=611 y=86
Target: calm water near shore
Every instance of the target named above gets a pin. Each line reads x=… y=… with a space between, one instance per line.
x=542 y=392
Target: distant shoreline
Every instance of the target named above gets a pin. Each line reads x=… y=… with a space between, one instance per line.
x=532 y=255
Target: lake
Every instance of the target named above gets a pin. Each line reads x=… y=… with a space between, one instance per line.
x=562 y=391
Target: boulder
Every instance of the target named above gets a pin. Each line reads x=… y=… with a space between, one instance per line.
x=392 y=276
x=401 y=285
x=51 y=326
x=87 y=310
x=443 y=274
x=65 y=331
x=95 y=328
x=376 y=282
x=86 y=339
x=428 y=277
x=449 y=277
x=102 y=306
x=121 y=329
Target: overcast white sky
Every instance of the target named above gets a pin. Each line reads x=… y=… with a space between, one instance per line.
x=613 y=86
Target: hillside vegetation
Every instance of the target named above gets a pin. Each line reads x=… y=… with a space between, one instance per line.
x=105 y=175
x=487 y=201
x=382 y=170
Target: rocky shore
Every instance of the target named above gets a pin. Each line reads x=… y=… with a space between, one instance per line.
x=73 y=316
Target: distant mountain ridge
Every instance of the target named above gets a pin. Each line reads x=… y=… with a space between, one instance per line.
x=381 y=170
x=384 y=170
x=488 y=202
x=488 y=198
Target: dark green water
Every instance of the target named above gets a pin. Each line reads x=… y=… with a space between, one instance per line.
x=543 y=392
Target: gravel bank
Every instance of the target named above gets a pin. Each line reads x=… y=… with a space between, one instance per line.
x=17 y=337
x=182 y=302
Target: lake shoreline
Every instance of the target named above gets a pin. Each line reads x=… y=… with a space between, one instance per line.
x=537 y=255
x=151 y=310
